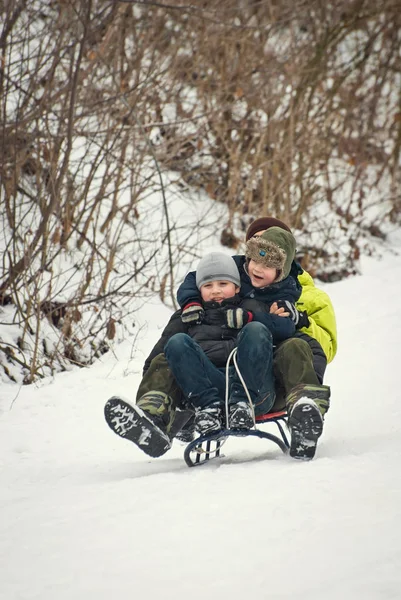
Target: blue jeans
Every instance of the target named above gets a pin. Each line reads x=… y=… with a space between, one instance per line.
x=203 y=383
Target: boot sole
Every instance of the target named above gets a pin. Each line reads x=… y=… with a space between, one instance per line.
x=306 y=426
x=131 y=423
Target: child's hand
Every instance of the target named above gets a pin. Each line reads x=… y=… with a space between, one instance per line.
x=192 y=313
x=280 y=311
x=300 y=319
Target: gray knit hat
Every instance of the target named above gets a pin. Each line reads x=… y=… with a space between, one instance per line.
x=217 y=266
x=274 y=248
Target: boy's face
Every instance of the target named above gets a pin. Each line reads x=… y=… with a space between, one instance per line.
x=217 y=291
x=261 y=276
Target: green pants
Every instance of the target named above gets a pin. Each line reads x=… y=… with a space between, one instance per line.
x=293 y=364
x=159 y=378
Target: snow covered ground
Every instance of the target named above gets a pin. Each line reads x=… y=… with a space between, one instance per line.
x=85 y=515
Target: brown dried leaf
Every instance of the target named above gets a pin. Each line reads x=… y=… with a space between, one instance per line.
x=76 y=315
x=111 y=329
x=56 y=237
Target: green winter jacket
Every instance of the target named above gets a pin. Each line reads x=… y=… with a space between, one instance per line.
x=321 y=315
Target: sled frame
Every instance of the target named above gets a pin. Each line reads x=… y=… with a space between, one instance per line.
x=208 y=446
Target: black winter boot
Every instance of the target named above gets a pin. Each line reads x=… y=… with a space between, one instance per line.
x=147 y=424
x=240 y=416
x=306 y=406
x=209 y=419
x=240 y=413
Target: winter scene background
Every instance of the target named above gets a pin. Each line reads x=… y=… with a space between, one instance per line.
x=136 y=137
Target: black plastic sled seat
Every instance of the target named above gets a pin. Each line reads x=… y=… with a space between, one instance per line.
x=208 y=446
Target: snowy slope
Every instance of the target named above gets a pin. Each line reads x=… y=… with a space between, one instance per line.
x=85 y=515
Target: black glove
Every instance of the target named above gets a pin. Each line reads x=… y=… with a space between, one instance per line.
x=192 y=313
x=236 y=318
x=303 y=320
x=299 y=318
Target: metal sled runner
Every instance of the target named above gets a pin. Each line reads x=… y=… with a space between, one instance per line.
x=208 y=446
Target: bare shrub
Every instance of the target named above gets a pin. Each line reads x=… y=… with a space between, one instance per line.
x=294 y=112
x=269 y=107
x=85 y=220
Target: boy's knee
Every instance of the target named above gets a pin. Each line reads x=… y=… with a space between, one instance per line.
x=159 y=362
x=257 y=330
x=294 y=347
x=176 y=342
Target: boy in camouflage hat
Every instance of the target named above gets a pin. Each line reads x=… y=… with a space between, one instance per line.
x=269 y=254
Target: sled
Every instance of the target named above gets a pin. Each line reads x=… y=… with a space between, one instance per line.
x=208 y=446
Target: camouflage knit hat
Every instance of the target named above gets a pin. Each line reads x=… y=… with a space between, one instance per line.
x=275 y=248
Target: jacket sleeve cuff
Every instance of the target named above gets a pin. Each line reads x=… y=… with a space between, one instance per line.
x=192 y=304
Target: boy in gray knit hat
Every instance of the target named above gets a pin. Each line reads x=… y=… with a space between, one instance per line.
x=198 y=357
